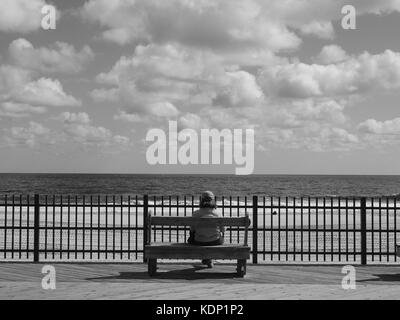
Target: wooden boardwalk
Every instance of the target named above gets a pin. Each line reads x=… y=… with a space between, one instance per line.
x=191 y=281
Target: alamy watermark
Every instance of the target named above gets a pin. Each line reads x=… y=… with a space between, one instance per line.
x=190 y=147
x=349 y=18
x=349 y=280
x=49 y=280
x=49 y=17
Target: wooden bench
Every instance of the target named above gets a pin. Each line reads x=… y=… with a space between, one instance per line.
x=154 y=251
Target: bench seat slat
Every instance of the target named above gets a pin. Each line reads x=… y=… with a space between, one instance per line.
x=187 y=251
x=190 y=221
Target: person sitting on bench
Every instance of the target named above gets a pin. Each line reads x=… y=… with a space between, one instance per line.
x=206 y=236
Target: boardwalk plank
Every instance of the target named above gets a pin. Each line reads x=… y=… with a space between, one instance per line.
x=188 y=281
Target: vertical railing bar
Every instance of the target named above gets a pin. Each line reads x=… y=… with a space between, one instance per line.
x=54 y=226
x=340 y=227
x=192 y=205
x=5 y=224
x=347 y=229
x=106 y=227
x=98 y=226
x=169 y=213
x=272 y=225
x=302 y=226
x=91 y=227
x=286 y=228
x=45 y=225
x=83 y=226
x=146 y=234
x=395 y=227
x=230 y=215
x=20 y=226
x=137 y=227
x=238 y=204
x=316 y=228
x=177 y=213
x=69 y=225
x=61 y=226
x=387 y=230
x=154 y=213
x=324 y=228
x=279 y=228
x=309 y=230
x=129 y=227
x=76 y=227
x=113 y=225
x=184 y=213
x=162 y=214
x=121 y=226
x=332 y=255
x=28 y=225
x=373 y=228
x=363 y=213
x=264 y=239
x=380 y=229
x=354 y=230
x=294 y=228
x=36 y=234
x=13 y=226
x=255 y=228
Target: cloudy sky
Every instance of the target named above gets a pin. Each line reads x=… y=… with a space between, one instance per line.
x=81 y=98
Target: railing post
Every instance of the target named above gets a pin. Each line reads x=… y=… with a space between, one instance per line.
x=363 y=213
x=255 y=228
x=145 y=223
x=36 y=230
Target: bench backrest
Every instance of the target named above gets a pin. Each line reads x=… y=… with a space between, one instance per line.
x=192 y=221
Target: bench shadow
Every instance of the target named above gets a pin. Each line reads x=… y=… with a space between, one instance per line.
x=383 y=278
x=179 y=274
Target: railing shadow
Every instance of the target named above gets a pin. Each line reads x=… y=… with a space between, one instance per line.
x=179 y=274
x=382 y=278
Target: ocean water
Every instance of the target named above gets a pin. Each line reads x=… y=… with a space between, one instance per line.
x=137 y=184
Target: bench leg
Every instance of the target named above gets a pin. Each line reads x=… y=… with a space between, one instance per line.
x=241 y=267
x=152 y=267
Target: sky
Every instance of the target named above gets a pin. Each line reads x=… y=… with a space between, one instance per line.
x=81 y=98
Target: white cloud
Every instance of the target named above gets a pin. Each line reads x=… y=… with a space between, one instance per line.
x=20 y=15
x=388 y=127
x=78 y=127
x=128 y=117
x=220 y=25
x=239 y=89
x=31 y=135
x=320 y=29
x=352 y=76
x=18 y=85
x=217 y=65
x=331 y=54
x=18 y=110
x=60 y=57
x=46 y=91
x=158 y=80
x=70 y=118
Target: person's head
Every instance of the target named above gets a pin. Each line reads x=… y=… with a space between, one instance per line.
x=207 y=200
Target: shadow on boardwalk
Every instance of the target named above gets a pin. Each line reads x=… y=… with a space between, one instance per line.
x=382 y=278
x=178 y=274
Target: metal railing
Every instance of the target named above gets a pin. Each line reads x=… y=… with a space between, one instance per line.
x=284 y=229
